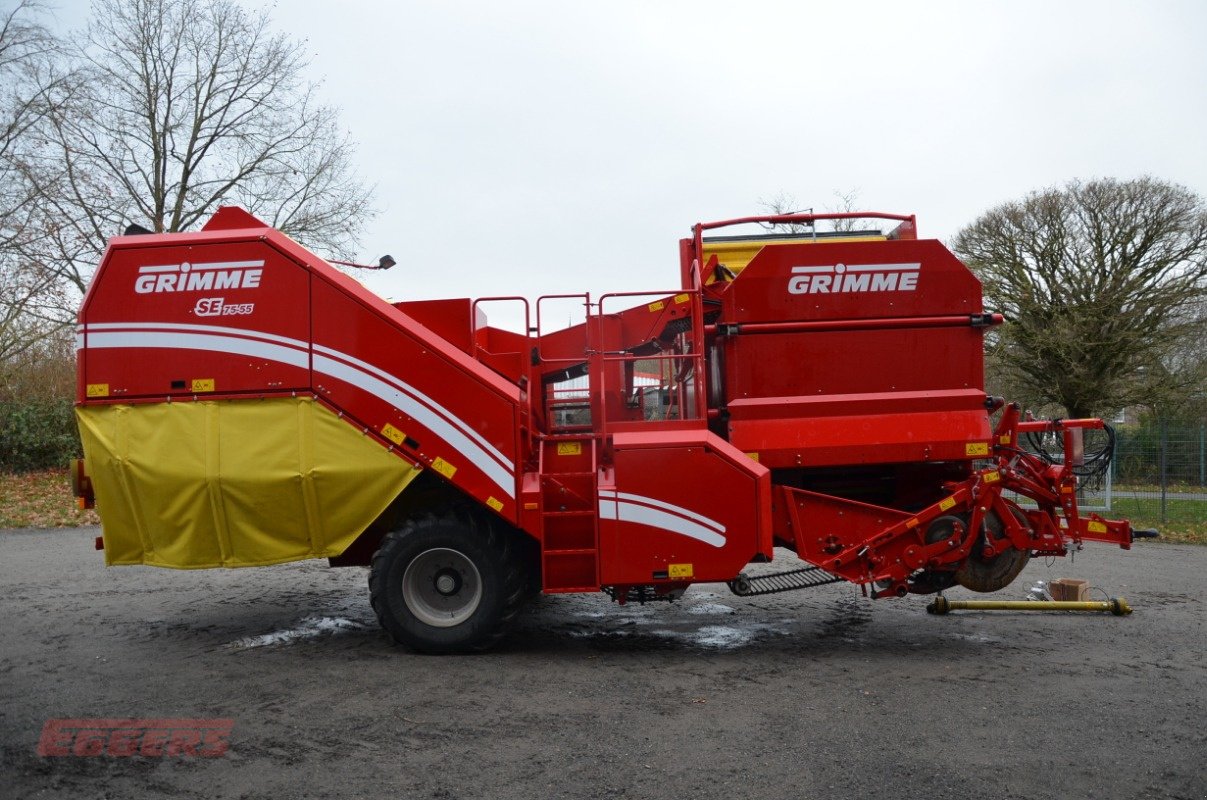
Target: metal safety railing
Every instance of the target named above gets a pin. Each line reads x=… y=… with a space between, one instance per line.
x=680 y=372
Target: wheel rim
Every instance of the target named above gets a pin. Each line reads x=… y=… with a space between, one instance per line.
x=442 y=587
x=1000 y=571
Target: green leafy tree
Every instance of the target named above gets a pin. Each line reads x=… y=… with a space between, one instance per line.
x=1102 y=283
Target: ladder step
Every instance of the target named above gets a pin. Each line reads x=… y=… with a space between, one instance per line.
x=583 y=513
x=580 y=551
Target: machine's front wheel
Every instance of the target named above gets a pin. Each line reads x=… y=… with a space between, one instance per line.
x=448 y=584
x=998 y=572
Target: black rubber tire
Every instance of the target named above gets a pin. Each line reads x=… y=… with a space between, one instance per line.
x=496 y=554
x=978 y=575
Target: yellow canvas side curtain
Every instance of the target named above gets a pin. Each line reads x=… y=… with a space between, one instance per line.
x=233 y=483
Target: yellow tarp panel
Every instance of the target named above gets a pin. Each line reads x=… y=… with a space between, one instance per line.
x=735 y=255
x=235 y=483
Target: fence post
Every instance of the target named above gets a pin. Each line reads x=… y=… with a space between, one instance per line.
x=1163 y=459
x=1114 y=465
x=1202 y=455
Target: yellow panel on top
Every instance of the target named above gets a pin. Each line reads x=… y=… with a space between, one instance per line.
x=735 y=255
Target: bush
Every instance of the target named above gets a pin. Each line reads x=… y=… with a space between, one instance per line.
x=37 y=391
x=37 y=434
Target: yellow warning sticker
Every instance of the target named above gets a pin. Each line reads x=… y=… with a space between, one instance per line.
x=444 y=468
x=658 y=306
x=753 y=456
x=946 y=503
x=992 y=477
x=1004 y=438
x=393 y=434
x=1095 y=527
x=203 y=384
x=680 y=570
x=682 y=298
x=976 y=449
x=98 y=390
x=497 y=505
x=569 y=448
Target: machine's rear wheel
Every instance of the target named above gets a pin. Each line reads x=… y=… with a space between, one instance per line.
x=448 y=584
x=978 y=574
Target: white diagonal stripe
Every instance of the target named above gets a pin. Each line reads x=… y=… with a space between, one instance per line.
x=662 y=520
x=625 y=507
x=685 y=512
x=196 y=341
x=421 y=397
x=357 y=373
x=421 y=414
x=178 y=326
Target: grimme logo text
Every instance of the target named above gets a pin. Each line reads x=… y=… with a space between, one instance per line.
x=850 y=278
x=188 y=277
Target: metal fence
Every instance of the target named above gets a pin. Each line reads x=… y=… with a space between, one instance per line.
x=1158 y=475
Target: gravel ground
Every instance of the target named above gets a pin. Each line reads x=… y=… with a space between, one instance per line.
x=819 y=693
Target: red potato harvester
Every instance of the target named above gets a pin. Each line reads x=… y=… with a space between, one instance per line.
x=243 y=403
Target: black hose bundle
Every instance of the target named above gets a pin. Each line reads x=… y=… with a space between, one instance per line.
x=1096 y=461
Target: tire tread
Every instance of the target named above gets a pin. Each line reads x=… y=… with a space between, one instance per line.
x=504 y=548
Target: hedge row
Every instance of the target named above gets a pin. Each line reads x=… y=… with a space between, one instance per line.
x=37 y=434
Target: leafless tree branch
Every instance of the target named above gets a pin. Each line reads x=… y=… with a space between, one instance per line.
x=182 y=106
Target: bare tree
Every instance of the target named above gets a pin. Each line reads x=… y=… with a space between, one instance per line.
x=188 y=105
x=784 y=203
x=848 y=203
x=32 y=82
x=1102 y=284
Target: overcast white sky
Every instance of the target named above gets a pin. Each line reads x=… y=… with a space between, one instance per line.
x=540 y=147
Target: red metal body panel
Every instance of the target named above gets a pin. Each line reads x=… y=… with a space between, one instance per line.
x=653 y=513
x=869 y=428
x=454 y=320
x=138 y=325
x=379 y=370
x=878 y=279
x=854 y=362
x=885 y=358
